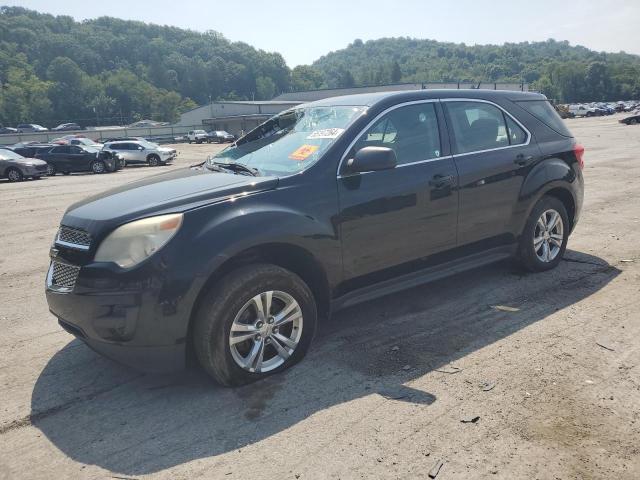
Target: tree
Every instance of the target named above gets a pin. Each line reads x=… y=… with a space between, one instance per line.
x=265 y=88
x=396 y=73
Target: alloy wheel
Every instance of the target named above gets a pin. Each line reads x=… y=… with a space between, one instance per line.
x=51 y=171
x=98 y=167
x=14 y=175
x=548 y=236
x=266 y=331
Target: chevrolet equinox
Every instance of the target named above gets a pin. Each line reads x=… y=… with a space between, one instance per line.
x=323 y=206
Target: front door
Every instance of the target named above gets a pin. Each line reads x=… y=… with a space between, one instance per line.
x=492 y=153
x=392 y=217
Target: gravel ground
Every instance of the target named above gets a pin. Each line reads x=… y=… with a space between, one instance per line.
x=555 y=382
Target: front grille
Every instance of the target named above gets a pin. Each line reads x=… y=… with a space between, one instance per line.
x=74 y=237
x=63 y=275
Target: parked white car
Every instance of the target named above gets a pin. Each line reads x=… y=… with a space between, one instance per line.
x=141 y=151
x=198 y=136
x=582 y=110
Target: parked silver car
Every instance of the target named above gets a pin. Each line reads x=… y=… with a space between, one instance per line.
x=16 y=168
x=141 y=151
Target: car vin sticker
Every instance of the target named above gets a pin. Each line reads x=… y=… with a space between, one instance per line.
x=303 y=152
x=328 y=133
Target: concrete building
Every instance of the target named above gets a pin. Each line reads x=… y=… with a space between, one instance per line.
x=233 y=117
x=237 y=117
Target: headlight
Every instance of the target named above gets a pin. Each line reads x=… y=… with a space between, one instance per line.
x=133 y=242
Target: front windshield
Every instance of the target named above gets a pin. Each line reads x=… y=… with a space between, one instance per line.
x=291 y=141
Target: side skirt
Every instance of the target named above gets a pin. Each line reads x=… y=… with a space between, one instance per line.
x=423 y=276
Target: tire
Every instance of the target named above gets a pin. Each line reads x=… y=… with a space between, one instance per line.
x=198 y=142
x=551 y=244
x=14 y=175
x=51 y=170
x=633 y=121
x=153 y=160
x=189 y=141
x=98 y=167
x=230 y=302
x=66 y=173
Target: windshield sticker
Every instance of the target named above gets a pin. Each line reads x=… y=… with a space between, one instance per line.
x=329 y=133
x=303 y=152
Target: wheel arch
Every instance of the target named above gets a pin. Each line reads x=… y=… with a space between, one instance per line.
x=564 y=195
x=288 y=256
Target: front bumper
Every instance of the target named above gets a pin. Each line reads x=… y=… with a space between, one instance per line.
x=121 y=316
x=34 y=171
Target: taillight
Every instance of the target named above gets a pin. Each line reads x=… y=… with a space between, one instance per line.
x=579 y=151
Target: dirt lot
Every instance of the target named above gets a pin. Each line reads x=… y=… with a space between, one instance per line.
x=375 y=398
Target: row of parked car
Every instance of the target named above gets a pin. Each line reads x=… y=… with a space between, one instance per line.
x=68 y=127
x=596 y=109
x=215 y=136
x=71 y=154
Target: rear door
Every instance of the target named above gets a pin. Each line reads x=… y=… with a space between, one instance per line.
x=392 y=218
x=492 y=152
x=59 y=158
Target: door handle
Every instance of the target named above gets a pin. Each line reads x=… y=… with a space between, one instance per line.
x=441 y=181
x=523 y=160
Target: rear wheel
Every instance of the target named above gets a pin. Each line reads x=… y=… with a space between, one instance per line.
x=51 y=170
x=14 y=175
x=544 y=238
x=97 y=167
x=633 y=121
x=153 y=160
x=257 y=321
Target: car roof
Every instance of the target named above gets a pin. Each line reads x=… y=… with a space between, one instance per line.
x=371 y=99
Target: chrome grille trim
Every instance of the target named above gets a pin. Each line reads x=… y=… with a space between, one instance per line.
x=62 y=277
x=73 y=238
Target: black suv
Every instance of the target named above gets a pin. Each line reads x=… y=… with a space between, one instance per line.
x=77 y=158
x=321 y=207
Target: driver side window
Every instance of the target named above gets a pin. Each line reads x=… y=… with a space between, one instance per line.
x=410 y=131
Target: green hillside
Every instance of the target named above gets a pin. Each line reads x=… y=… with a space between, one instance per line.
x=54 y=69
x=561 y=71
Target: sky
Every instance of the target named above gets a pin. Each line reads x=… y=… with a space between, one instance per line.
x=303 y=31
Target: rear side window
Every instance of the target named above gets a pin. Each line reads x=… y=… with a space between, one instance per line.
x=544 y=111
x=517 y=136
x=477 y=126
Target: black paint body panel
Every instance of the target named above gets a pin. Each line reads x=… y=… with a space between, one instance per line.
x=368 y=234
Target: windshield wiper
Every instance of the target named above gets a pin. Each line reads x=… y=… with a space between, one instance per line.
x=239 y=168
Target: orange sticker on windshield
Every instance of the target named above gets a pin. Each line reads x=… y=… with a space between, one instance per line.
x=303 y=152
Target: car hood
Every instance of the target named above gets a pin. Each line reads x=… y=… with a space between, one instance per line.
x=175 y=191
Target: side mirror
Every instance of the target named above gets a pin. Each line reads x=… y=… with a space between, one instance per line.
x=369 y=159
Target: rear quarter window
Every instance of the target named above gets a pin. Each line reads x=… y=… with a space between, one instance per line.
x=544 y=111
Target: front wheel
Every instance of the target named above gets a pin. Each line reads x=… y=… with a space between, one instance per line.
x=98 y=167
x=258 y=320
x=544 y=238
x=153 y=160
x=14 y=175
